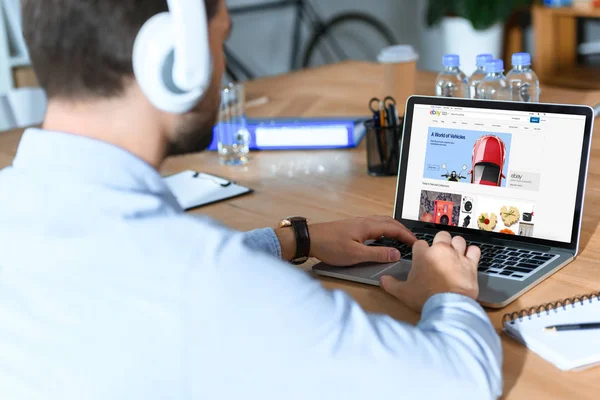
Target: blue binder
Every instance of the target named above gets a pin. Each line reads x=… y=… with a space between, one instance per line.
x=301 y=133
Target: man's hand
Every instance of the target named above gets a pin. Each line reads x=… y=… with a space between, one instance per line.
x=445 y=267
x=340 y=243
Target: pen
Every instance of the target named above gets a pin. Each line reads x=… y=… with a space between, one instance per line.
x=377 y=129
x=382 y=117
x=391 y=115
x=383 y=122
x=376 y=120
x=390 y=135
x=572 y=327
x=394 y=135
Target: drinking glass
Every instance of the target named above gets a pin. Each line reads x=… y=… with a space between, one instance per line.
x=233 y=136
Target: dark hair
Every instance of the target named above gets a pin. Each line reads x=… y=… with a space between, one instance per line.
x=83 y=48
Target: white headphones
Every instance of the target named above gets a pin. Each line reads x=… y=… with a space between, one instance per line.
x=171 y=56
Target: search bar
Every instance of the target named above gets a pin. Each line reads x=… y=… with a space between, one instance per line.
x=486 y=116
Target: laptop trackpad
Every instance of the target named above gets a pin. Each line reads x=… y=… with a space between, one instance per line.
x=398 y=270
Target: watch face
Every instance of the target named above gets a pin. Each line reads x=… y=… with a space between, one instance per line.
x=284 y=223
x=287 y=222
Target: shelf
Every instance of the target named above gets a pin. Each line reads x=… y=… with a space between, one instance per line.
x=579 y=77
x=573 y=11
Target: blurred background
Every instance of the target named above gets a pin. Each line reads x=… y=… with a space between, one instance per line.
x=278 y=36
x=263 y=38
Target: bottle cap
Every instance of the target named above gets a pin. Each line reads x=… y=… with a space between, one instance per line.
x=521 y=59
x=397 y=54
x=482 y=59
x=494 y=66
x=451 y=60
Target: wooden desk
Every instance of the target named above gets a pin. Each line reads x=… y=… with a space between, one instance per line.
x=327 y=185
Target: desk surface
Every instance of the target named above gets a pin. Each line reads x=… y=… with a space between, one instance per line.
x=328 y=185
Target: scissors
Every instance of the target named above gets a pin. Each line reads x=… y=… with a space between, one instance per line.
x=387 y=101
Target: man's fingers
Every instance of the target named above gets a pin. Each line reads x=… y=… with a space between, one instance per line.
x=390 y=228
x=419 y=248
x=394 y=287
x=443 y=237
x=459 y=244
x=375 y=254
x=473 y=254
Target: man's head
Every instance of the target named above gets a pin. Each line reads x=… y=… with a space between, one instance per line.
x=82 y=53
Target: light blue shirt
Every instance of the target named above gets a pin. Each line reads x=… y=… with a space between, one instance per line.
x=109 y=291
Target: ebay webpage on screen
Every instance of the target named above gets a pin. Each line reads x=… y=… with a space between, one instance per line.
x=502 y=171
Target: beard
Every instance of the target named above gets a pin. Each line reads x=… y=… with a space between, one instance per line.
x=194 y=130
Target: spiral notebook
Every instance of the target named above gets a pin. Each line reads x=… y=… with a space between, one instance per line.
x=194 y=189
x=567 y=350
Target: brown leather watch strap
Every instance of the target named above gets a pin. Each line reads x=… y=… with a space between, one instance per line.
x=300 y=227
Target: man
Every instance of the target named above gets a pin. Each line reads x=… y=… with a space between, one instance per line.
x=109 y=291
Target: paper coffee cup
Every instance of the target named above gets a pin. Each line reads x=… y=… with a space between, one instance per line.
x=399 y=73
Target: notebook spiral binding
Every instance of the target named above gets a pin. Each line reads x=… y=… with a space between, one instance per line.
x=572 y=301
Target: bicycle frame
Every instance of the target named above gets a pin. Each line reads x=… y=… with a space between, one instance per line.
x=303 y=10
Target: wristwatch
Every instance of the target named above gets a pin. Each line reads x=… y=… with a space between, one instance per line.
x=300 y=227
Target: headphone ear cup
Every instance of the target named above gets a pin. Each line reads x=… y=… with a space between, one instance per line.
x=153 y=60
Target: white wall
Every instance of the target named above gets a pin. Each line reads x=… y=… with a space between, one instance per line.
x=263 y=40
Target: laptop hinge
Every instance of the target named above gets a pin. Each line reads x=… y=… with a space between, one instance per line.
x=562 y=250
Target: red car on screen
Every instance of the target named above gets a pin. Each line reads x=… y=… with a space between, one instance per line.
x=489 y=153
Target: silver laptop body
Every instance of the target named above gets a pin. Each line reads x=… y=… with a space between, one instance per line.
x=525 y=175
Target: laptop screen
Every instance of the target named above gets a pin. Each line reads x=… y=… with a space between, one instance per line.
x=495 y=170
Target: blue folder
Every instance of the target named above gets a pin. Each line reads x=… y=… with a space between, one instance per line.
x=301 y=133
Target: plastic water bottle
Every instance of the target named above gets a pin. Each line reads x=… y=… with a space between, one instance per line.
x=494 y=86
x=479 y=74
x=524 y=83
x=451 y=82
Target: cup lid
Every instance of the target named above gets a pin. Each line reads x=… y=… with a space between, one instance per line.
x=397 y=54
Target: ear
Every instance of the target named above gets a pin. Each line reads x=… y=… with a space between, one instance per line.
x=154 y=54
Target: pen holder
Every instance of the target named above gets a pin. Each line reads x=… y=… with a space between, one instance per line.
x=383 y=148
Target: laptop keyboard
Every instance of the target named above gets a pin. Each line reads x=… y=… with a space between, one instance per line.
x=500 y=261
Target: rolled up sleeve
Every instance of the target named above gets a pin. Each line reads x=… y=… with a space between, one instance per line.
x=263 y=240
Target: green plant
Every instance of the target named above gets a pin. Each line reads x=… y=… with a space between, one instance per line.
x=481 y=13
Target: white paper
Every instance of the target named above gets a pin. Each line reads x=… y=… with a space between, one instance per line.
x=568 y=349
x=194 y=190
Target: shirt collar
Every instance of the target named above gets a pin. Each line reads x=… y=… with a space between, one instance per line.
x=91 y=160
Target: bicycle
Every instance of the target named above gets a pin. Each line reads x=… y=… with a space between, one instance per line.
x=325 y=44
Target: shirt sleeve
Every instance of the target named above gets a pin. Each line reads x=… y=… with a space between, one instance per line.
x=259 y=327
x=263 y=240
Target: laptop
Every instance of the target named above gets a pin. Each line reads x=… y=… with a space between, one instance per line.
x=509 y=177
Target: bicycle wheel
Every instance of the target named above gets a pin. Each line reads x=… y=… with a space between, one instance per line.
x=352 y=35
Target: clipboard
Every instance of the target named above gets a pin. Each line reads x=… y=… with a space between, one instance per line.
x=194 y=189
